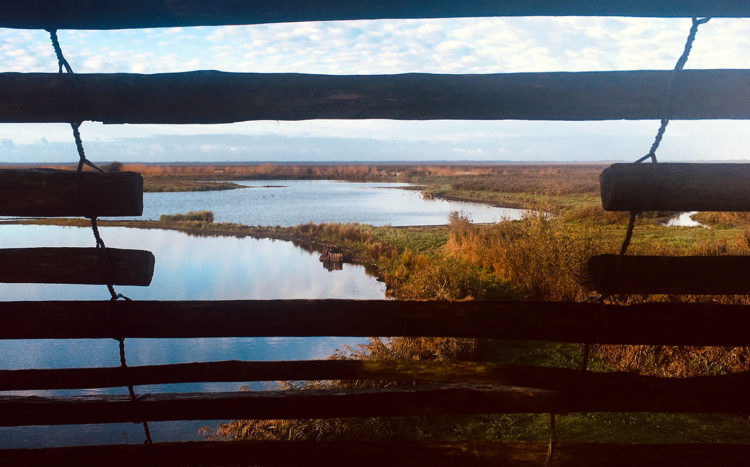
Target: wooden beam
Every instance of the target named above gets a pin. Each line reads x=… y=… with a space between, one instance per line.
x=402 y=371
x=76 y=266
x=668 y=396
x=693 y=275
x=54 y=193
x=378 y=370
x=676 y=187
x=379 y=453
x=217 y=97
x=87 y=14
x=648 y=323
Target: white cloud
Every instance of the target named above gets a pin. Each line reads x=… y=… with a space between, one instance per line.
x=482 y=45
x=395 y=46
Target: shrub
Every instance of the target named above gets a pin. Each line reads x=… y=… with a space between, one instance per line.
x=195 y=216
x=113 y=167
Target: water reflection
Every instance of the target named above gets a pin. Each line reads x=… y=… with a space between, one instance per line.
x=293 y=202
x=684 y=219
x=187 y=268
x=197 y=268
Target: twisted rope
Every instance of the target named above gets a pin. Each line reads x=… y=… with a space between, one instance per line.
x=64 y=67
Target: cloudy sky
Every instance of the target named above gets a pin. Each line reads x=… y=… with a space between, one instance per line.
x=481 y=45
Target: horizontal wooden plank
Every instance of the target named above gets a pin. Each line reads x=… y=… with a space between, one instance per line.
x=85 y=14
x=52 y=193
x=217 y=97
x=76 y=266
x=408 y=371
x=379 y=370
x=676 y=187
x=670 y=274
x=665 y=396
x=648 y=323
x=379 y=453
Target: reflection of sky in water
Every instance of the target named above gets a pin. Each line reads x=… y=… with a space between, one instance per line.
x=683 y=219
x=187 y=268
x=292 y=202
x=196 y=268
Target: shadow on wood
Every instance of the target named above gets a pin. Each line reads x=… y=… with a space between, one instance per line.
x=693 y=275
x=52 y=193
x=448 y=399
x=217 y=97
x=404 y=371
x=675 y=187
x=646 y=323
x=76 y=266
x=83 y=14
x=380 y=453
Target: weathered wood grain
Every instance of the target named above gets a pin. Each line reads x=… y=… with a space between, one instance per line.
x=379 y=370
x=217 y=97
x=694 y=275
x=379 y=453
x=52 y=193
x=87 y=14
x=648 y=323
x=76 y=266
x=402 y=371
x=450 y=399
x=675 y=187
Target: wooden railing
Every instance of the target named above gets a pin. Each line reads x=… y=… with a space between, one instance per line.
x=84 y=14
x=435 y=387
x=217 y=97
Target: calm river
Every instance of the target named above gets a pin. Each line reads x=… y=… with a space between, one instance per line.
x=293 y=202
x=213 y=268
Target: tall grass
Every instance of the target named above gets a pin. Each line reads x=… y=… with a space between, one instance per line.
x=536 y=254
x=723 y=219
x=414 y=266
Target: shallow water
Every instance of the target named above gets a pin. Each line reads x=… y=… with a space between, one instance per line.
x=684 y=219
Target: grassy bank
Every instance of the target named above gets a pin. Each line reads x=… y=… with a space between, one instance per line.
x=174 y=184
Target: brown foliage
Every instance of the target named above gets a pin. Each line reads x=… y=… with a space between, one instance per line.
x=538 y=178
x=675 y=360
x=536 y=253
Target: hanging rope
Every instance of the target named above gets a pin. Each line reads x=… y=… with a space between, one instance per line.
x=670 y=94
x=679 y=66
x=64 y=67
x=552 y=440
x=124 y=366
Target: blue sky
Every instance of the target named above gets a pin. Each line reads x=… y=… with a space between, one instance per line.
x=480 y=45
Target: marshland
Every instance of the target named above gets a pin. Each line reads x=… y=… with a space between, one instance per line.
x=495 y=231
